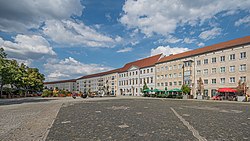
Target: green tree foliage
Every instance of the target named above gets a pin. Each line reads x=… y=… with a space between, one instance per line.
x=185 y=89
x=145 y=86
x=17 y=76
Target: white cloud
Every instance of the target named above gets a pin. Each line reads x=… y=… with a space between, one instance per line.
x=70 y=68
x=245 y=20
x=210 y=34
x=72 y=33
x=128 y=49
x=163 y=17
x=19 y=16
x=27 y=47
x=172 y=39
x=189 y=40
x=201 y=44
x=167 y=50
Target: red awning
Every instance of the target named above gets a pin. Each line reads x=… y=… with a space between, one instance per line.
x=227 y=90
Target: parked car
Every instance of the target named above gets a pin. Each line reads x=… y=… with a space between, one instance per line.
x=217 y=97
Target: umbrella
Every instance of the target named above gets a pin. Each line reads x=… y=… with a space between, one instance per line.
x=175 y=90
x=227 y=90
x=157 y=90
x=146 y=90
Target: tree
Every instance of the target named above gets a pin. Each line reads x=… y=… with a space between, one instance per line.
x=145 y=86
x=185 y=89
x=19 y=76
x=241 y=88
x=200 y=86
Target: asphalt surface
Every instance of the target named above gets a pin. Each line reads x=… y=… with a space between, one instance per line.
x=151 y=119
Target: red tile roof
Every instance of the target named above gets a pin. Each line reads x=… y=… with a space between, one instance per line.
x=146 y=62
x=207 y=49
x=61 y=81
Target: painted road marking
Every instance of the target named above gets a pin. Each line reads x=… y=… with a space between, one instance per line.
x=190 y=127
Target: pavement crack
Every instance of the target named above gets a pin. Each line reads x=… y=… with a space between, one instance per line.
x=190 y=127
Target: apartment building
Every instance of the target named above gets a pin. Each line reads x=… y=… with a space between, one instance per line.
x=218 y=66
x=69 y=85
x=133 y=75
x=98 y=82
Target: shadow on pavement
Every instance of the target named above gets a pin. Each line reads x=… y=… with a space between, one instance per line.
x=22 y=100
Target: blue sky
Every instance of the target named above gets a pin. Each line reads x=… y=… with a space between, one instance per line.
x=71 y=38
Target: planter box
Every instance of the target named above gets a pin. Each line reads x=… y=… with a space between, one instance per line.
x=241 y=98
x=200 y=97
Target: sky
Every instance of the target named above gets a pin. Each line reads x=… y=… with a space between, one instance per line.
x=67 y=39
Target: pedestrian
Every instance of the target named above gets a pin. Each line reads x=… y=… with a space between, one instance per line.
x=74 y=94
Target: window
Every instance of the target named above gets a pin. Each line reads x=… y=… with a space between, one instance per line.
x=180 y=83
x=170 y=67
x=175 y=83
x=152 y=70
x=222 y=58
x=232 y=57
x=147 y=79
x=135 y=72
x=170 y=83
x=243 y=55
x=213 y=92
x=162 y=68
x=198 y=72
x=158 y=77
x=243 y=79
x=175 y=67
x=232 y=69
x=205 y=61
x=213 y=81
x=144 y=71
x=170 y=75
x=147 y=70
x=214 y=60
x=205 y=71
x=187 y=64
x=180 y=74
x=162 y=84
x=213 y=70
x=222 y=80
x=141 y=71
x=166 y=67
x=198 y=62
x=162 y=76
x=175 y=75
x=232 y=80
x=180 y=66
x=205 y=81
x=243 y=67
x=166 y=83
x=166 y=75
x=222 y=69
x=151 y=80
x=158 y=84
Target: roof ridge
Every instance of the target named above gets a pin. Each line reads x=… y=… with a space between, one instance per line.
x=206 y=49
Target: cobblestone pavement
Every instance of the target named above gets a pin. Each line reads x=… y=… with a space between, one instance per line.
x=28 y=119
x=122 y=118
x=152 y=119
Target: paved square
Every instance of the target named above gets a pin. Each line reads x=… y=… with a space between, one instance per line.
x=151 y=119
